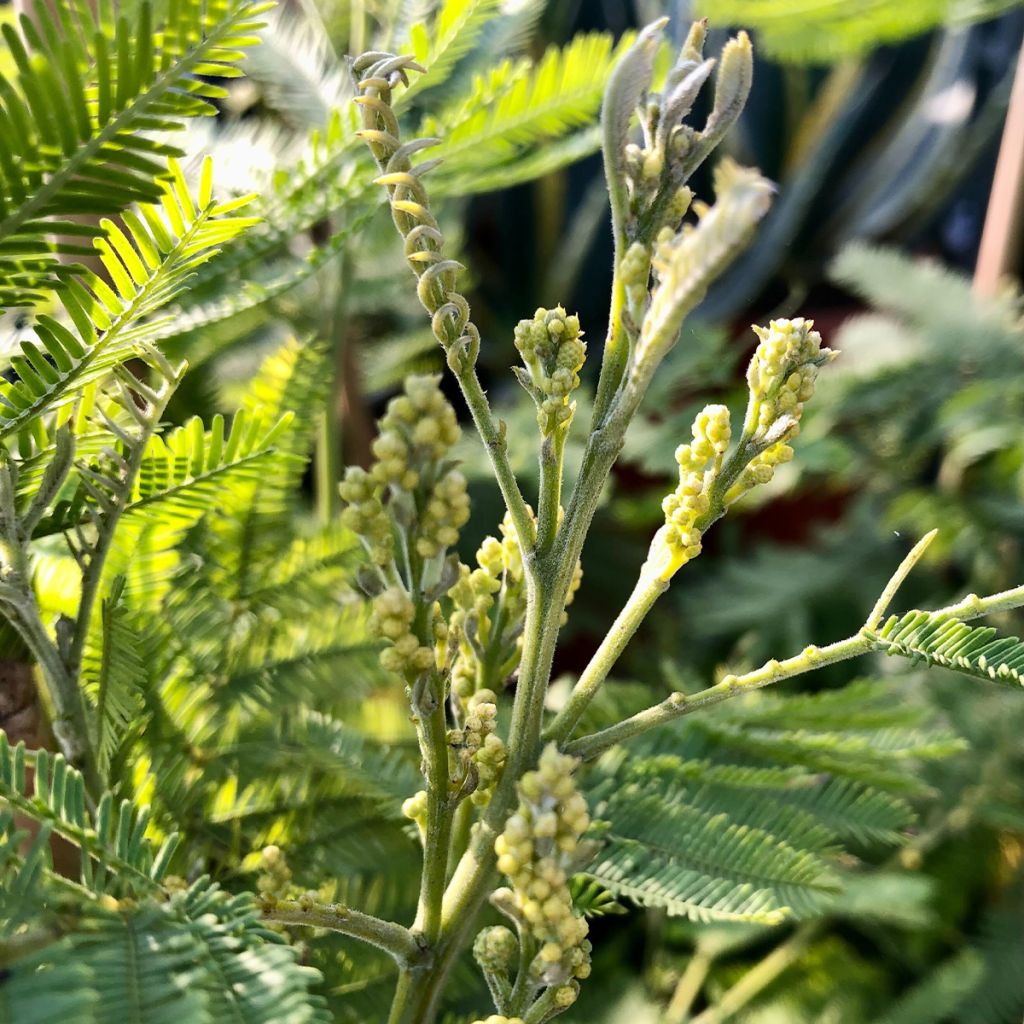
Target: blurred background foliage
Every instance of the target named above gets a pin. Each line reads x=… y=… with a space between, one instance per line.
x=881 y=123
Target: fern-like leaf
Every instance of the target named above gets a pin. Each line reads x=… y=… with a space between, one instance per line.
x=115 y=852
x=665 y=853
x=455 y=28
x=113 y=673
x=520 y=106
x=939 y=639
x=77 y=117
x=824 y=31
x=149 y=265
x=189 y=470
x=249 y=974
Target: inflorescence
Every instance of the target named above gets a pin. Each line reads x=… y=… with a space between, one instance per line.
x=781 y=378
x=553 y=353
x=537 y=852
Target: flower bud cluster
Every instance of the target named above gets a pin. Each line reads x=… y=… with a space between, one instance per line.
x=760 y=470
x=275 y=878
x=781 y=378
x=496 y=950
x=497 y=1018
x=415 y=809
x=655 y=171
x=477 y=750
x=364 y=514
x=497 y=580
x=782 y=373
x=536 y=852
x=416 y=434
x=446 y=512
x=553 y=352
x=687 y=261
x=679 y=540
x=393 y=613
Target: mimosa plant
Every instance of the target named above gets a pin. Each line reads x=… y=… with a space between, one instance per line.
x=188 y=638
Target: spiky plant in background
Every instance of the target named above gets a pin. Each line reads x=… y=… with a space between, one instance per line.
x=235 y=767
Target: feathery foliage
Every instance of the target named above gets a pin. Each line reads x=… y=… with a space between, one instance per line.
x=826 y=32
x=351 y=729
x=77 y=117
x=941 y=640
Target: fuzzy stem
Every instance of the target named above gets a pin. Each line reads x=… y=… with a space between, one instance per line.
x=616 y=344
x=461 y=825
x=902 y=572
x=432 y=729
x=678 y=704
x=437 y=838
x=70 y=722
x=552 y=457
x=395 y=940
x=492 y=433
x=647 y=590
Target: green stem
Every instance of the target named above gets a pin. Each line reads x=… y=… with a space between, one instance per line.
x=616 y=346
x=461 y=825
x=416 y=997
x=896 y=581
x=431 y=724
x=552 y=457
x=678 y=704
x=69 y=721
x=493 y=437
x=647 y=590
x=524 y=988
x=543 y=1009
x=437 y=838
x=395 y=940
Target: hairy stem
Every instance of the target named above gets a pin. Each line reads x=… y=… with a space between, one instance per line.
x=18 y=600
x=616 y=344
x=647 y=590
x=492 y=433
x=437 y=839
x=896 y=581
x=552 y=457
x=395 y=940
x=432 y=730
x=678 y=704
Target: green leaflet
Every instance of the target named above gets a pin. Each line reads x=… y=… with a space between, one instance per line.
x=76 y=118
x=455 y=29
x=201 y=957
x=824 y=32
x=705 y=865
x=114 y=673
x=938 y=639
x=116 y=853
x=149 y=264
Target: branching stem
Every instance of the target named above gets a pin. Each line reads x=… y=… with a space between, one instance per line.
x=678 y=704
x=395 y=940
x=647 y=590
